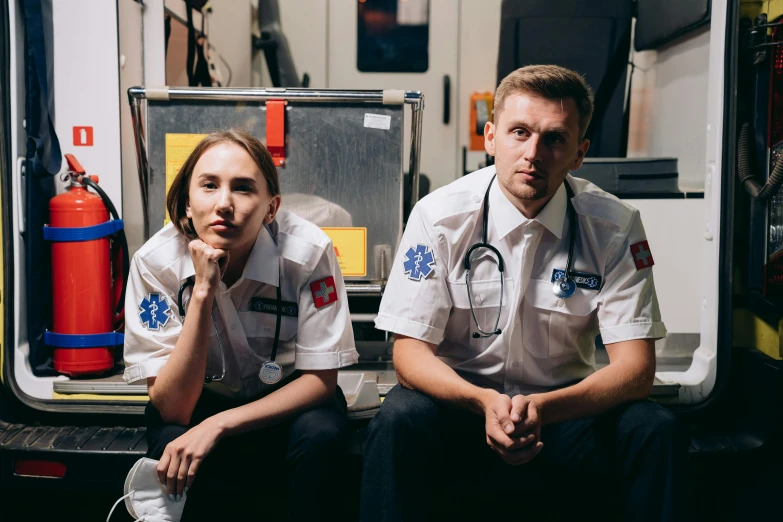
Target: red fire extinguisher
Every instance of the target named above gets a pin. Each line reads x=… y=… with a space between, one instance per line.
x=88 y=276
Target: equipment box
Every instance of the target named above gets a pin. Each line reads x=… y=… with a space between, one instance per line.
x=332 y=149
x=628 y=176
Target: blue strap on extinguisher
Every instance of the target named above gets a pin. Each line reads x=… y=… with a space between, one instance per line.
x=68 y=234
x=83 y=340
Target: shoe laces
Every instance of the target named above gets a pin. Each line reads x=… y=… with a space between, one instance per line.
x=142 y=519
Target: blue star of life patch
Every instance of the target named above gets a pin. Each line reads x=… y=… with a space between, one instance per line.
x=582 y=280
x=154 y=311
x=419 y=262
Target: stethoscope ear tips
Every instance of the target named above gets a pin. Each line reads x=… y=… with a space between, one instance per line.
x=476 y=335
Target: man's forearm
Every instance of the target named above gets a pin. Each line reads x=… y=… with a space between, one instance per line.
x=623 y=380
x=419 y=369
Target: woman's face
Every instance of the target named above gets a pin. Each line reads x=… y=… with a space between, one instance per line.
x=228 y=198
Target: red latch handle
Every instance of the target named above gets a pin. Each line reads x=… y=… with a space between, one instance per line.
x=275 y=130
x=74 y=165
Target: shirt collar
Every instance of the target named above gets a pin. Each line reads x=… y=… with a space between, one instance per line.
x=262 y=263
x=507 y=217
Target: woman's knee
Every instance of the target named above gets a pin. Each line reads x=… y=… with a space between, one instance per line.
x=317 y=431
x=158 y=437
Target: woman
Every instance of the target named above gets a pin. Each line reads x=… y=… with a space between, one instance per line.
x=242 y=375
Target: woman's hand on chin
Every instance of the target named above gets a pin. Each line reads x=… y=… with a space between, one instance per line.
x=210 y=264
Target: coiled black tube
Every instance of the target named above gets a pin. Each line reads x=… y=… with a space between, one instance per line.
x=748 y=178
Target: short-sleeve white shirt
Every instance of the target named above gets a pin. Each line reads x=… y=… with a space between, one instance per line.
x=291 y=251
x=545 y=341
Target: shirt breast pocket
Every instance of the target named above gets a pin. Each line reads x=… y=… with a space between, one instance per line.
x=552 y=326
x=259 y=324
x=486 y=306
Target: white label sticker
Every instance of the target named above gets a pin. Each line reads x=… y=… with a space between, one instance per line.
x=377 y=121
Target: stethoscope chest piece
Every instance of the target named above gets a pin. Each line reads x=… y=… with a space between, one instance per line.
x=564 y=287
x=270 y=373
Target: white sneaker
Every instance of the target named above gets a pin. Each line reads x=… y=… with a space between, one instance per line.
x=146 y=498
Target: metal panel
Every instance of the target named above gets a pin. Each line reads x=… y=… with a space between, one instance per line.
x=99 y=388
x=77 y=438
x=331 y=157
x=31 y=434
x=102 y=439
x=126 y=440
x=53 y=437
x=10 y=433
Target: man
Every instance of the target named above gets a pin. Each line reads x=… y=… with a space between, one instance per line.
x=507 y=399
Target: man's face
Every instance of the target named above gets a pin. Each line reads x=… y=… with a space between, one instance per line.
x=535 y=143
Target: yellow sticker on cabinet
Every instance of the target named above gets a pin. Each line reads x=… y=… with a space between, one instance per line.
x=178 y=148
x=350 y=247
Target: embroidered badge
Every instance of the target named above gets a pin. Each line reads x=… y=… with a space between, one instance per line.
x=582 y=280
x=642 y=255
x=154 y=311
x=324 y=292
x=419 y=262
x=268 y=305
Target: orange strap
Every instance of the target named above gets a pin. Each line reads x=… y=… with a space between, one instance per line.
x=275 y=130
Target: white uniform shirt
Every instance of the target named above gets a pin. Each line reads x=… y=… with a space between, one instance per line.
x=546 y=342
x=290 y=250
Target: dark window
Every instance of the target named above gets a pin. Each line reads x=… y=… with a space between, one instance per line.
x=393 y=36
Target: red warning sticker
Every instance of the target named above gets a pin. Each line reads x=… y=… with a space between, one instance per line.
x=82 y=136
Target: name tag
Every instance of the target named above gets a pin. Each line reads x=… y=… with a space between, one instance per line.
x=582 y=280
x=267 y=305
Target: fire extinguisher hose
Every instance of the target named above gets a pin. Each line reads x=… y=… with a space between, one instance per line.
x=86 y=181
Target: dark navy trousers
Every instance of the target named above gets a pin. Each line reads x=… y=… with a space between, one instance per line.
x=280 y=472
x=630 y=463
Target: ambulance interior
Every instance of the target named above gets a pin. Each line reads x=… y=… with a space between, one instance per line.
x=659 y=145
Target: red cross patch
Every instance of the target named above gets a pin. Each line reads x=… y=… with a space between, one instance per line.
x=324 y=292
x=642 y=255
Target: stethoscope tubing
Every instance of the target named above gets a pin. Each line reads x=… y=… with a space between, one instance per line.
x=217 y=378
x=563 y=287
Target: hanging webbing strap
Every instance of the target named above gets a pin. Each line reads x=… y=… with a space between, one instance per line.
x=43 y=147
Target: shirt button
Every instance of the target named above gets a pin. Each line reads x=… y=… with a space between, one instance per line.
x=478 y=298
x=233 y=326
x=560 y=302
x=266 y=328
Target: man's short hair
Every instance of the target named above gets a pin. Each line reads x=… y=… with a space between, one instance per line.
x=551 y=82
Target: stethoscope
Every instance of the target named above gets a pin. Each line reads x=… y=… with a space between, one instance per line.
x=563 y=287
x=270 y=372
